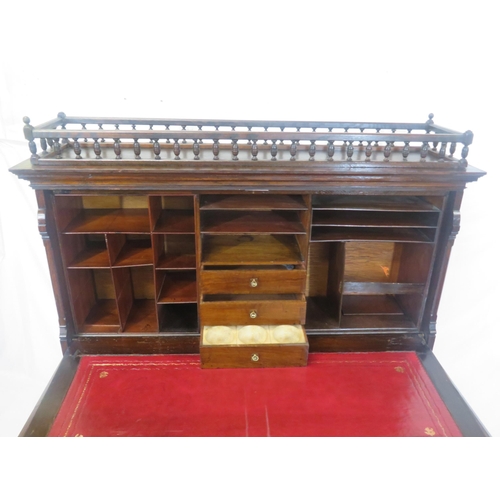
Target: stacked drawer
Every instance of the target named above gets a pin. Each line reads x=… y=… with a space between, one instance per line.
x=252 y=273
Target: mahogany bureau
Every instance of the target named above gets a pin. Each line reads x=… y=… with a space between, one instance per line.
x=252 y=243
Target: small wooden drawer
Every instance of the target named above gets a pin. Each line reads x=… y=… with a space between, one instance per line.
x=253 y=309
x=253 y=346
x=253 y=281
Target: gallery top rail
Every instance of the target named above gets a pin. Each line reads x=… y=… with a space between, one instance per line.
x=268 y=137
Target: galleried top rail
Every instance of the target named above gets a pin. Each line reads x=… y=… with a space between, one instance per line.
x=90 y=140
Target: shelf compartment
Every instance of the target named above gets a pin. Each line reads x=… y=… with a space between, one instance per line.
x=177 y=287
x=323 y=234
x=178 y=318
x=172 y=214
x=373 y=203
x=142 y=317
x=252 y=202
x=133 y=285
x=85 y=251
x=370 y=305
x=243 y=222
x=174 y=251
x=366 y=288
x=127 y=251
x=175 y=222
x=102 y=318
x=251 y=250
x=348 y=218
x=133 y=220
x=93 y=299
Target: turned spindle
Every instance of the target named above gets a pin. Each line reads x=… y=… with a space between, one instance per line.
x=406 y=151
x=84 y=127
x=368 y=152
x=215 y=148
x=235 y=149
x=57 y=148
x=274 y=150
x=468 y=137
x=453 y=148
x=196 y=149
x=255 y=150
x=137 y=149
x=293 y=150
x=387 y=151
x=350 y=151
x=177 y=149
x=442 y=151
x=424 y=151
x=184 y=129
x=330 y=150
x=156 y=149
x=77 y=149
x=97 y=149
x=43 y=145
x=167 y=128
x=28 y=134
x=312 y=150
x=118 y=149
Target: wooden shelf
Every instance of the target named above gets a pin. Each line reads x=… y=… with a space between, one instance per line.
x=408 y=235
x=95 y=256
x=130 y=220
x=142 y=317
x=103 y=317
x=252 y=223
x=175 y=222
x=135 y=253
x=370 y=288
x=176 y=261
x=177 y=288
x=348 y=218
x=369 y=305
x=252 y=202
x=251 y=250
x=375 y=203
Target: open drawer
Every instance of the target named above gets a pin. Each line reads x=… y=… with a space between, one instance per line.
x=253 y=346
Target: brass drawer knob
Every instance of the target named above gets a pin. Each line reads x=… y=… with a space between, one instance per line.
x=253 y=314
x=255 y=357
x=254 y=282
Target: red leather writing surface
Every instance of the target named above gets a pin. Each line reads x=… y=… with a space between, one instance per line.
x=337 y=394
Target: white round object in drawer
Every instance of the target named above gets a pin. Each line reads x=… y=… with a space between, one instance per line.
x=287 y=334
x=252 y=334
x=218 y=335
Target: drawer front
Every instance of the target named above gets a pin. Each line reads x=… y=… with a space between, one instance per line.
x=260 y=356
x=253 y=281
x=256 y=312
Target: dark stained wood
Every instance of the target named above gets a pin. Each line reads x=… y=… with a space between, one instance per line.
x=258 y=249
x=373 y=203
x=346 y=218
x=464 y=417
x=252 y=281
x=142 y=317
x=176 y=261
x=134 y=253
x=175 y=221
x=47 y=408
x=110 y=221
x=367 y=288
x=178 y=287
x=251 y=223
x=369 y=234
x=252 y=202
x=94 y=255
x=370 y=304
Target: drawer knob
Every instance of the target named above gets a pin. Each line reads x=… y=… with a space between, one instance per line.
x=254 y=282
x=255 y=357
x=253 y=314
